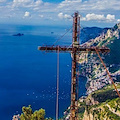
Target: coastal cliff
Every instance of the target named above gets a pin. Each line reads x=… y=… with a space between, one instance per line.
x=91 y=65
x=101 y=102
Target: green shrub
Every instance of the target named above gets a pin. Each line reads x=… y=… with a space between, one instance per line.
x=28 y=114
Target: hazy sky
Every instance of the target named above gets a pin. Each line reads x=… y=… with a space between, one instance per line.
x=58 y=12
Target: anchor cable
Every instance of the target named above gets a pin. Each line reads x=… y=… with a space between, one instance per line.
x=62 y=36
x=57 y=96
x=108 y=72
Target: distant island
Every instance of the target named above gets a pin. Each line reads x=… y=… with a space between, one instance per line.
x=52 y=32
x=18 y=34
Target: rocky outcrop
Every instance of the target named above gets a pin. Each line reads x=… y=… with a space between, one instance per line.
x=102 y=104
x=16 y=117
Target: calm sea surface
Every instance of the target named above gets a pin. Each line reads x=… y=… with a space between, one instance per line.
x=28 y=76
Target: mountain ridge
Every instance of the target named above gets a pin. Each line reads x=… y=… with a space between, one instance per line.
x=88 y=33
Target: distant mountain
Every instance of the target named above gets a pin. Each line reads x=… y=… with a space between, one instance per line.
x=88 y=33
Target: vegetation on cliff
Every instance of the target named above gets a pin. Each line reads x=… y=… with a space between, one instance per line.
x=28 y=114
x=103 y=104
x=100 y=105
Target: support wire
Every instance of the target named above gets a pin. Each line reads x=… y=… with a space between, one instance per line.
x=62 y=36
x=57 y=96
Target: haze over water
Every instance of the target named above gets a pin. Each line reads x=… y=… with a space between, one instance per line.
x=28 y=76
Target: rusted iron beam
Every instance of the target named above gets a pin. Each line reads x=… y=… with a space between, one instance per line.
x=70 y=49
x=74 y=49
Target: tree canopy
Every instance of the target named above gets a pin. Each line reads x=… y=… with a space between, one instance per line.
x=28 y=114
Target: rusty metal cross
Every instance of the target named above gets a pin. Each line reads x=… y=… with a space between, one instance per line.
x=75 y=50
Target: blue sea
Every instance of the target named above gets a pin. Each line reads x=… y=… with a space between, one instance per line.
x=28 y=76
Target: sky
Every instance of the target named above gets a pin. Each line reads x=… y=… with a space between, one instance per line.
x=101 y=13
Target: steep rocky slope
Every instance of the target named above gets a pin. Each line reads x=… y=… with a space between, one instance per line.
x=91 y=65
x=102 y=104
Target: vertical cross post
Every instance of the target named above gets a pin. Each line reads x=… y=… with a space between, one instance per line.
x=75 y=45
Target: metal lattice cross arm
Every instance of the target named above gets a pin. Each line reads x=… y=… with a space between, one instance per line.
x=70 y=49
